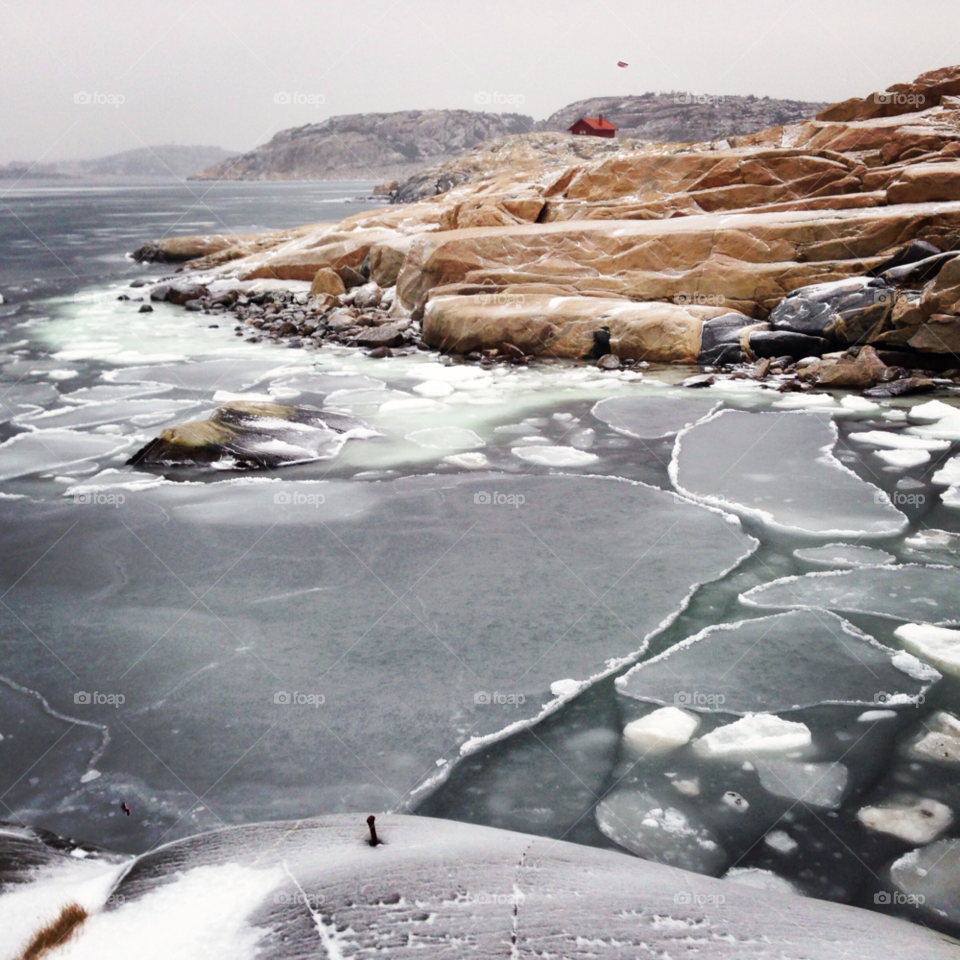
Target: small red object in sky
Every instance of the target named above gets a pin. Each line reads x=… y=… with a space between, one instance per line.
x=620 y=63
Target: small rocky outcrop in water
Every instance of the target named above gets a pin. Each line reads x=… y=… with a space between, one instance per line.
x=253 y=434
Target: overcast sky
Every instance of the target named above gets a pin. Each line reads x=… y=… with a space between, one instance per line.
x=210 y=71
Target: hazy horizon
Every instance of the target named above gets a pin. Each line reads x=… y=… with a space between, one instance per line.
x=87 y=85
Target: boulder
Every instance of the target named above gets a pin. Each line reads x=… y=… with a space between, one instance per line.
x=252 y=434
x=786 y=343
x=849 y=373
x=179 y=292
x=327 y=281
x=847 y=311
x=385 y=336
x=367 y=296
x=926 y=183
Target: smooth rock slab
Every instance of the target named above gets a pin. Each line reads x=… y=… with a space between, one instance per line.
x=779 y=468
x=772 y=664
x=313 y=888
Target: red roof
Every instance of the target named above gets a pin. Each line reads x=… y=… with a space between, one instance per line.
x=595 y=123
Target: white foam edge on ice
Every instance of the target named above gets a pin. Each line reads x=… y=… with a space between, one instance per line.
x=896 y=659
x=613 y=665
x=669 y=433
x=747 y=600
x=826 y=453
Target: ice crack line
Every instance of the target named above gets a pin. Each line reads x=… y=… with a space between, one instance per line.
x=330 y=940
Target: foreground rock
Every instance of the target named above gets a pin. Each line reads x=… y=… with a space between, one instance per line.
x=251 y=435
x=318 y=887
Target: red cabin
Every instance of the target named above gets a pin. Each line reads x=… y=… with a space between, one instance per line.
x=593 y=127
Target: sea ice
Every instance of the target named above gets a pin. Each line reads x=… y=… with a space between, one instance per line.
x=771 y=664
x=645 y=826
x=755 y=735
x=760 y=879
x=651 y=417
x=932 y=411
x=779 y=468
x=846 y=555
x=936 y=645
x=817 y=784
x=93 y=414
x=941 y=741
x=919 y=823
x=903 y=459
x=555 y=456
x=932 y=876
x=781 y=841
x=470 y=461
x=949 y=473
x=897 y=441
x=912 y=592
x=44 y=450
x=660 y=732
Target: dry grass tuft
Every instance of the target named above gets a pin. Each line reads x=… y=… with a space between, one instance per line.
x=56 y=932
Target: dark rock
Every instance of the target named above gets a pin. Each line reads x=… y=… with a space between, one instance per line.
x=181 y=291
x=139 y=283
x=351 y=278
x=776 y=343
x=367 y=296
x=380 y=353
x=720 y=338
x=847 y=311
x=901 y=388
x=703 y=380
x=145 y=308
x=912 y=253
x=601 y=343
x=922 y=270
x=509 y=350
x=243 y=432
x=379 y=337
x=609 y=362
x=194 y=306
x=123 y=296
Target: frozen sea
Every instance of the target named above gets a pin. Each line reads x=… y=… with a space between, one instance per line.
x=717 y=628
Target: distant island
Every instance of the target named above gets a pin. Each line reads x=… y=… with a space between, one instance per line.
x=169 y=160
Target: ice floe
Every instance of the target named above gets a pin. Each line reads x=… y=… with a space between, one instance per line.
x=940 y=741
x=817 y=784
x=753 y=736
x=555 y=456
x=937 y=645
x=780 y=469
x=897 y=441
x=650 y=417
x=920 y=822
x=774 y=664
x=912 y=592
x=844 y=555
x=663 y=730
x=931 y=876
x=44 y=450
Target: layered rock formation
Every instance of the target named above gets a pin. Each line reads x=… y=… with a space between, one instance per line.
x=676 y=252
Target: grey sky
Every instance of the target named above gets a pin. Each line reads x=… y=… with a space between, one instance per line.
x=208 y=71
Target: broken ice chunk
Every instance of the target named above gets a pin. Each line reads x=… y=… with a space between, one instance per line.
x=949 y=473
x=757 y=734
x=660 y=732
x=871 y=716
x=941 y=742
x=898 y=441
x=931 y=875
x=772 y=664
x=643 y=825
x=912 y=592
x=818 y=784
x=471 y=461
x=920 y=822
x=903 y=459
x=931 y=411
x=781 y=469
x=549 y=456
x=736 y=802
x=936 y=645
x=781 y=841
x=844 y=555
x=445 y=438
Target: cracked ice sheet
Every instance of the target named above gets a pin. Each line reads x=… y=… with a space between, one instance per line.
x=912 y=592
x=415 y=595
x=650 y=417
x=773 y=664
x=779 y=468
x=443 y=889
x=45 y=450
